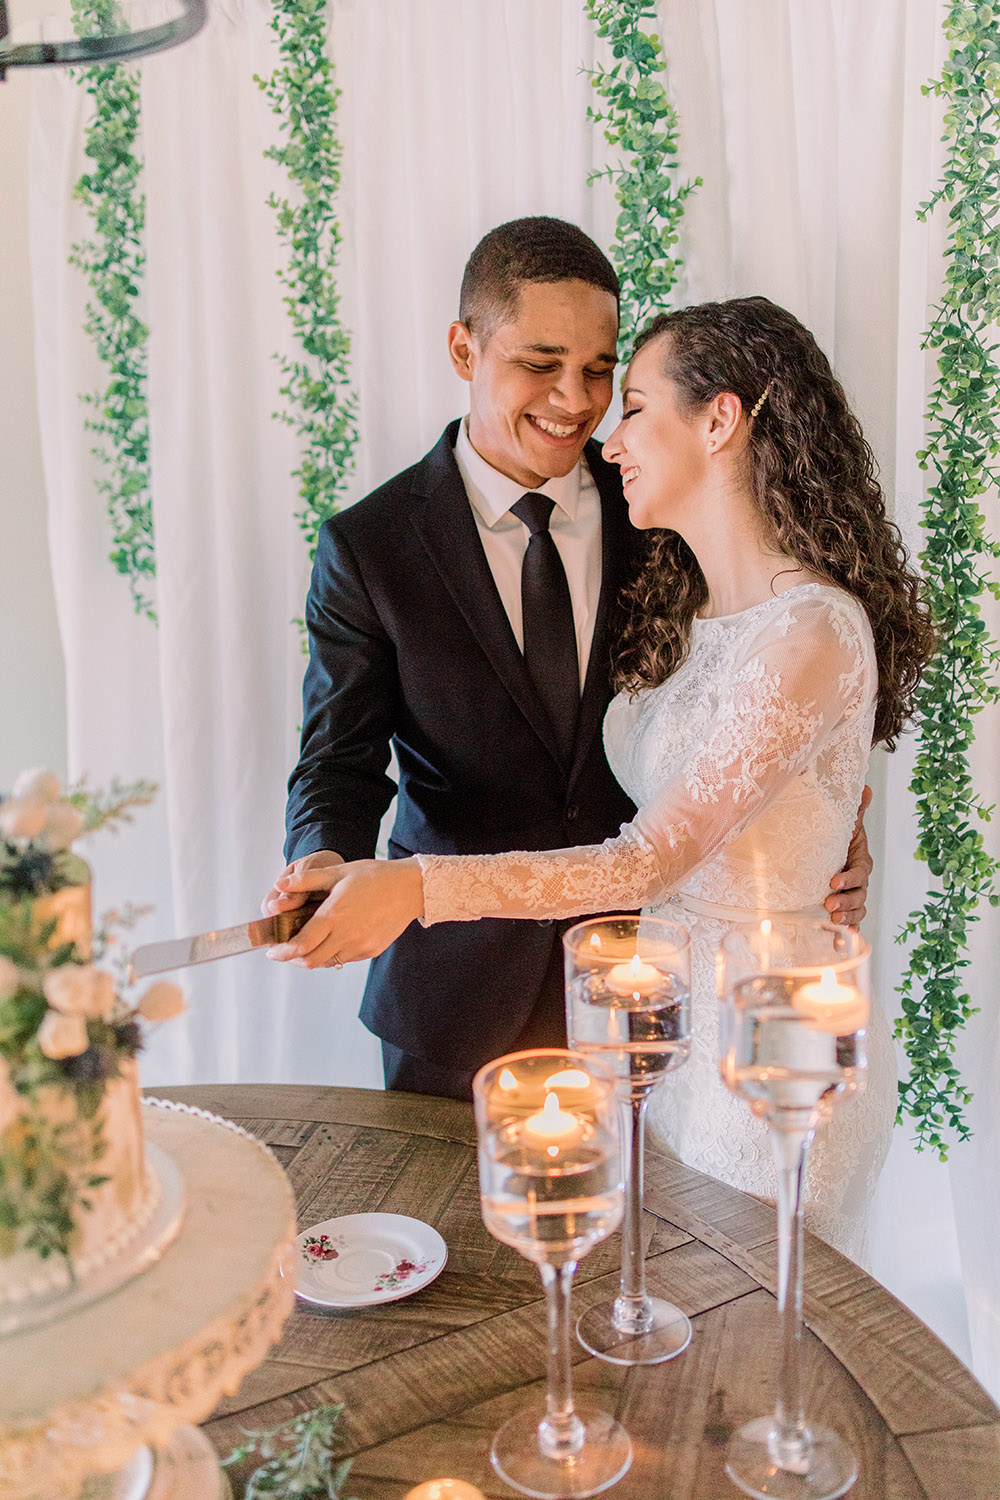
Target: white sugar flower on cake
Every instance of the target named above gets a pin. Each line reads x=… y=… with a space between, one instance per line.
x=162 y=1001
x=61 y=1036
x=80 y=990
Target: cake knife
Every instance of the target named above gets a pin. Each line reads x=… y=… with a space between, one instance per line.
x=178 y=953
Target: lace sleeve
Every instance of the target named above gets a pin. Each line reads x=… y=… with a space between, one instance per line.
x=810 y=667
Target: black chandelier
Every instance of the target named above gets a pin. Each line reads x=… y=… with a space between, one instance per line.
x=117 y=45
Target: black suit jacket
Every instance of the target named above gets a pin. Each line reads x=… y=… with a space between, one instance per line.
x=410 y=644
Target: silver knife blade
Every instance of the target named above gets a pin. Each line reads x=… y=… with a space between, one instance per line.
x=179 y=953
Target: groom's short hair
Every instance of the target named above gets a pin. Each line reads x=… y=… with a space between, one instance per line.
x=523 y=250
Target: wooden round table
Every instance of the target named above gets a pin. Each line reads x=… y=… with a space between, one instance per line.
x=427 y=1380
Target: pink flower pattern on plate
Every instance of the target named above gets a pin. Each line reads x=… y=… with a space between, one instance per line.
x=401 y=1271
x=319 y=1248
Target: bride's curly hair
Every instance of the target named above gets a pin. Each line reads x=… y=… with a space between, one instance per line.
x=813 y=478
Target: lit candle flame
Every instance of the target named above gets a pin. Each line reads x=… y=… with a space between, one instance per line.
x=507 y=1080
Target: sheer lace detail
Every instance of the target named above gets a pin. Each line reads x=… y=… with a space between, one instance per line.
x=763 y=728
x=754 y=749
x=747 y=767
x=460 y=888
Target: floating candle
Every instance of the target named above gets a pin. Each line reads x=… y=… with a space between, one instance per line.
x=552 y=1127
x=444 y=1489
x=635 y=978
x=830 y=1006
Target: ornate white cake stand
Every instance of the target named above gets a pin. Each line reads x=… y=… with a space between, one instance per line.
x=91 y=1393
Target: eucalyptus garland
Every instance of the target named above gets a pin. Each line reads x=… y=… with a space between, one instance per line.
x=963 y=446
x=317 y=386
x=639 y=118
x=113 y=261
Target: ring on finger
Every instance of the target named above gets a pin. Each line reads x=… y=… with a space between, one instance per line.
x=335 y=961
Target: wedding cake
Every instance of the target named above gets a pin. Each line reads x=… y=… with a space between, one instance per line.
x=77 y=1193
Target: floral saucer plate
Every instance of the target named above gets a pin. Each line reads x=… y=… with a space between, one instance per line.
x=359 y=1260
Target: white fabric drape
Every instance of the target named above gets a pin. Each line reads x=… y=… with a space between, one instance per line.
x=815 y=145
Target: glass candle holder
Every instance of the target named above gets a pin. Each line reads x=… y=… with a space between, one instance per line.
x=628 y=1001
x=550 y=1178
x=795 y=1002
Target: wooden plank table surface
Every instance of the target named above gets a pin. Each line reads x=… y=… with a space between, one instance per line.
x=427 y=1380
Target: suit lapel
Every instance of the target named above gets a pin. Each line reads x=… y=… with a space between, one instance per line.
x=442 y=517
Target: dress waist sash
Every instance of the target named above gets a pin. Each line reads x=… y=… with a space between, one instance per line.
x=699 y=908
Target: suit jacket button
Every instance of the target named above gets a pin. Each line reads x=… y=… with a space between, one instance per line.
x=572 y=813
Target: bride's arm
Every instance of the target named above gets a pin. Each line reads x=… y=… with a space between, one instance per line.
x=811 y=666
x=807 y=671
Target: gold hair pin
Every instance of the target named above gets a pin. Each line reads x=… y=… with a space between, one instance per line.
x=761 y=399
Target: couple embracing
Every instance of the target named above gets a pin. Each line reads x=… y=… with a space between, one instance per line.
x=718 y=589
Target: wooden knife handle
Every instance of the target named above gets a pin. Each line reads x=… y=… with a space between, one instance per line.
x=288 y=923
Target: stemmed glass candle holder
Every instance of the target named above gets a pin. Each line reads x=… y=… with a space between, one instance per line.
x=628 y=1000
x=550 y=1179
x=795 y=1002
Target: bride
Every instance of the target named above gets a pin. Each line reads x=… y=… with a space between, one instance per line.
x=774 y=633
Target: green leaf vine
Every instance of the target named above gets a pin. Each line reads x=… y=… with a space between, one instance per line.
x=321 y=401
x=639 y=118
x=298 y=1456
x=962 y=449
x=113 y=260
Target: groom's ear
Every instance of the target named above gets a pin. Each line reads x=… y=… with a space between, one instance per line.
x=462 y=348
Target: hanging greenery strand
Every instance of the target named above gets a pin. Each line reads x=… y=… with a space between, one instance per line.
x=322 y=404
x=113 y=261
x=963 y=444
x=639 y=118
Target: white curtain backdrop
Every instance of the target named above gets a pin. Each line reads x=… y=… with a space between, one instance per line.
x=815 y=144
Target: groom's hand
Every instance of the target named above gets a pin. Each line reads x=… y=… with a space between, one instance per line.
x=280 y=898
x=850 y=887
x=370 y=903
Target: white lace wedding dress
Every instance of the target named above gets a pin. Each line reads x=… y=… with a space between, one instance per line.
x=747 y=766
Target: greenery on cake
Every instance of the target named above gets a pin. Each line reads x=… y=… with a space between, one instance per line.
x=65 y=1031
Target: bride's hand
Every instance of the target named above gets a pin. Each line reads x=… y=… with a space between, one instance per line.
x=370 y=903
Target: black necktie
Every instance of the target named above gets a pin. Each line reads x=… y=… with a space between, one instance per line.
x=549 y=632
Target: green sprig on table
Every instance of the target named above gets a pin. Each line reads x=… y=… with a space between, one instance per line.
x=298 y=1456
x=963 y=446
x=321 y=401
x=639 y=118
x=114 y=261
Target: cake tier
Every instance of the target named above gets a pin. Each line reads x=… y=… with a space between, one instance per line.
x=101 y=1163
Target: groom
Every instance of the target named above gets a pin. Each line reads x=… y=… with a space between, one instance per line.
x=474 y=633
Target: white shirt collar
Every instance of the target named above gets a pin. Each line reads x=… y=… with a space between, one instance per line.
x=493 y=494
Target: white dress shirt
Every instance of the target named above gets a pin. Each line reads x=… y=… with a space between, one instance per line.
x=575 y=527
